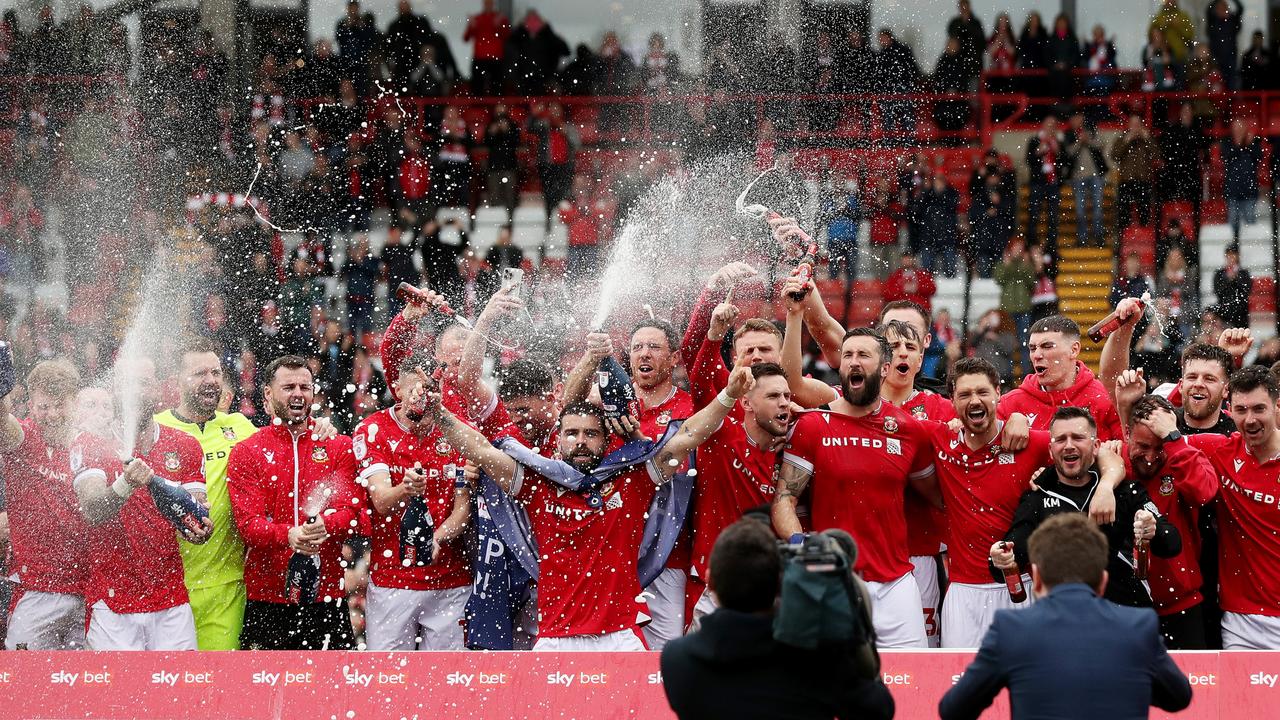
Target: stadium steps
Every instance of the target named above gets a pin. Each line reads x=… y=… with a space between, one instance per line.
x=1083 y=291
x=1067 y=214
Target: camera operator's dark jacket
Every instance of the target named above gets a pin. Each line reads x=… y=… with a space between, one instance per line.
x=1123 y=588
x=733 y=668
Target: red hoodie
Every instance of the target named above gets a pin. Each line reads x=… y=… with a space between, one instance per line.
x=1179 y=489
x=1038 y=404
x=269 y=478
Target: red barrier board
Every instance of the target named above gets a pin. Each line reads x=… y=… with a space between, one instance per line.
x=349 y=686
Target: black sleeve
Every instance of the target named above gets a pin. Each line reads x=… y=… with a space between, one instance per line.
x=1167 y=542
x=1025 y=520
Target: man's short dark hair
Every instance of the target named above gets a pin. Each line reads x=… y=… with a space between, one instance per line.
x=903 y=330
x=903 y=305
x=1213 y=353
x=288 y=362
x=1071 y=412
x=668 y=330
x=196 y=345
x=582 y=407
x=1145 y=406
x=525 y=378
x=1251 y=378
x=972 y=366
x=1069 y=548
x=767 y=369
x=746 y=570
x=1056 y=323
x=758 y=325
x=871 y=333
x=417 y=359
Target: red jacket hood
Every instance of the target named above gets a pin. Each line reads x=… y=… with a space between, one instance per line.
x=1084 y=376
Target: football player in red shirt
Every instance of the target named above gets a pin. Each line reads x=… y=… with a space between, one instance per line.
x=1248 y=467
x=46 y=528
x=402 y=455
x=588 y=584
x=1180 y=480
x=652 y=356
x=136 y=594
x=736 y=466
x=293 y=493
x=857 y=459
x=1059 y=379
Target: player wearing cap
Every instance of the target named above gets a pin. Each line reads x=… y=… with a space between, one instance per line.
x=1059 y=379
x=588 y=543
x=46 y=529
x=135 y=593
x=292 y=493
x=857 y=458
x=1248 y=467
x=401 y=455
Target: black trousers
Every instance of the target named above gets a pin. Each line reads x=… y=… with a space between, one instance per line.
x=278 y=626
x=1131 y=195
x=1184 y=630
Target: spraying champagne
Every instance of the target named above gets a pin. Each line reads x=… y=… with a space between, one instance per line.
x=617 y=394
x=302 y=578
x=417 y=529
x=8 y=375
x=800 y=246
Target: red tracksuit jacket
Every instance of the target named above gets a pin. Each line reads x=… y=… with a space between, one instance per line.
x=270 y=477
x=1038 y=404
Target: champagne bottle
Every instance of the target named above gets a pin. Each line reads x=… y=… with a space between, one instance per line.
x=302 y=580
x=1141 y=559
x=410 y=294
x=617 y=394
x=1110 y=324
x=177 y=506
x=1013 y=578
x=417 y=528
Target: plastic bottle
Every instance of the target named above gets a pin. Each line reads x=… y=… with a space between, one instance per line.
x=1013 y=578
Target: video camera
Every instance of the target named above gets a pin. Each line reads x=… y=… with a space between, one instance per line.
x=823 y=604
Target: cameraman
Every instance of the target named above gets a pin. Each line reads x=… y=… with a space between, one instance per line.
x=733 y=668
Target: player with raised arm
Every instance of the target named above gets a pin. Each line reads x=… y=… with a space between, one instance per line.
x=1248 y=467
x=136 y=590
x=857 y=459
x=46 y=530
x=588 y=514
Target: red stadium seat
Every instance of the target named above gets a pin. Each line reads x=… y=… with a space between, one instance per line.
x=1182 y=211
x=1263 y=298
x=1142 y=240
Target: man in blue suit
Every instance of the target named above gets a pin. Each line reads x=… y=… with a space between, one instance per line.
x=1072 y=654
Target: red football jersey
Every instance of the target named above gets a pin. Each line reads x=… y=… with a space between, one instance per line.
x=653 y=423
x=1179 y=489
x=382 y=444
x=981 y=489
x=860 y=470
x=46 y=529
x=734 y=475
x=588 y=582
x=136 y=566
x=1039 y=404
x=926 y=524
x=1248 y=525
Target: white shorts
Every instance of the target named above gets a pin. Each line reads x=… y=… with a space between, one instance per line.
x=620 y=641
x=171 y=629
x=705 y=606
x=665 y=596
x=395 y=618
x=896 y=613
x=925 y=570
x=969 y=610
x=1250 y=632
x=46 y=621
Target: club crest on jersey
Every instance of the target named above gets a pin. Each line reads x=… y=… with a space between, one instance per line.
x=1166 y=485
x=229 y=433
x=664 y=419
x=359 y=447
x=319 y=454
x=891 y=425
x=172 y=462
x=919 y=414
x=443 y=447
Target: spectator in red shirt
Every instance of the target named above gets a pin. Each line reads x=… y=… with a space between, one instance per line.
x=910 y=282
x=885 y=214
x=583 y=223
x=488 y=31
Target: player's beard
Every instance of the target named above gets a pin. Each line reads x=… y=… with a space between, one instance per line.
x=869 y=393
x=204 y=398
x=280 y=409
x=1200 y=410
x=584 y=463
